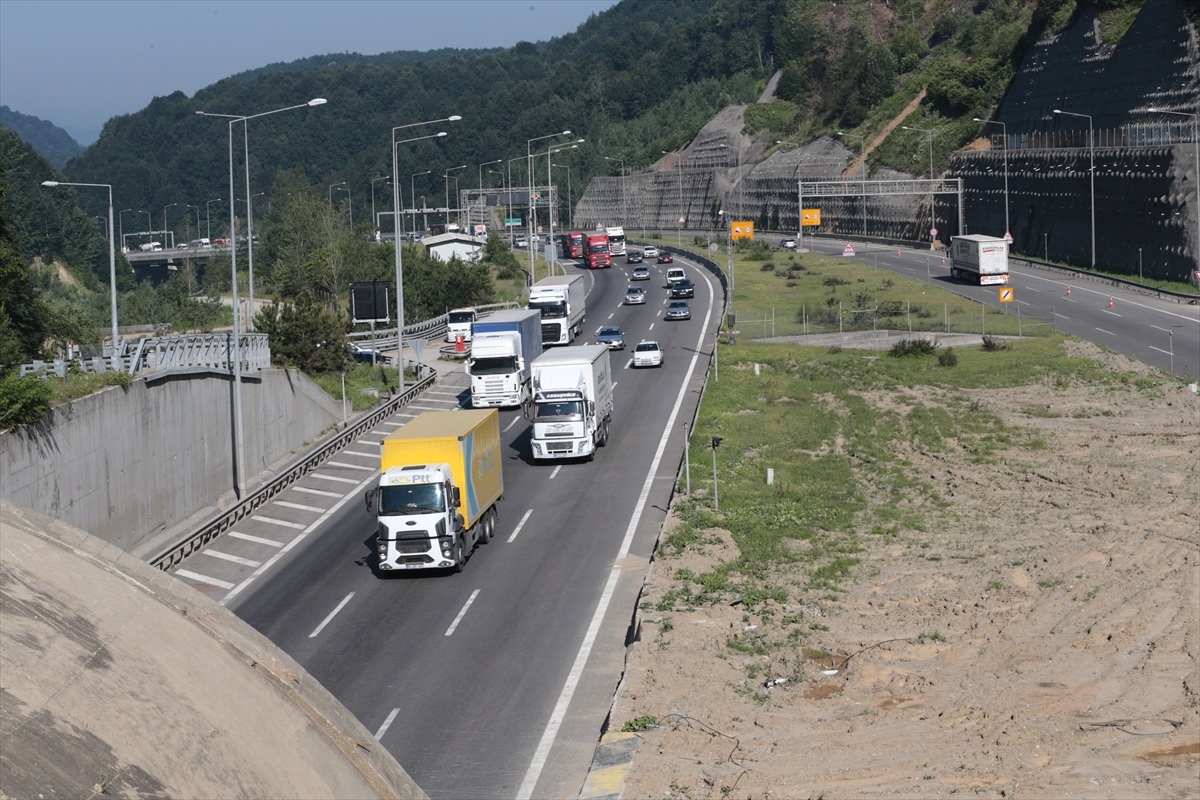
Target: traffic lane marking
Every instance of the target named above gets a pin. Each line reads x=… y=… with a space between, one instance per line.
x=1105 y=294
x=1164 y=352
x=306 y=490
x=462 y=613
x=360 y=455
x=1110 y=333
x=1113 y=313
x=246 y=562
x=299 y=507
x=344 y=465
x=514 y=422
x=196 y=576
x=256 y=539
x=324 y=477
x=520 y=525
x=332 y=614
x=554 y=474
x=280 y=522
x=387 y=723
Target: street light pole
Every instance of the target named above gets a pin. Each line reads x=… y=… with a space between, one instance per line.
x=330 y=192
x=398 y=248
x=570 y=210
x=862 y=141
x=189 y=205
x=529 y=188
x=624 y=210
x=1003 y=127
x=1091 y=171
x=716 y=442
x=121 y=223
x=374 y=218
x=1196 y=155
x=412 y=187
x=237 y=349
x=932 y=210
x=447 y=179
x=168 y=205
x=112 y=263
x=679 y=174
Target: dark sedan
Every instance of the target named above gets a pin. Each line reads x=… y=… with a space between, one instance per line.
x=633 y=257
x=683 y=288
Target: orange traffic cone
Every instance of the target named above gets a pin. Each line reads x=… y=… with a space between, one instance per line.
x=458 y=345
x=897 y=251
x=943 y=261
x=1110 y=302
x=1068 y=290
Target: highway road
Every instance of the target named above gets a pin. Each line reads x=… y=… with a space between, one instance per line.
x=1140 y=326
x=494 y=682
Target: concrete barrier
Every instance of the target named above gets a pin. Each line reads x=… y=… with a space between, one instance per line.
x=128 y=463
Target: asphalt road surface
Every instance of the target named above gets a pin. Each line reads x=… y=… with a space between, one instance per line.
x=494 y=682
x=1163 y=333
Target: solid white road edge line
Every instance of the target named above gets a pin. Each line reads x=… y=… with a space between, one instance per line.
x=585 y=650
x=514 y=422
x=462 y=613
x=520 y=525
x=255 y=539
x=286 y=548
x=387 y=723
x=332 y=614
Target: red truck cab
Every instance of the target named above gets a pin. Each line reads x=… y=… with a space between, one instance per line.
x=598 y=255
x=573 y=244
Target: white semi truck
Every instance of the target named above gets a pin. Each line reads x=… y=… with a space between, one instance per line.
x=504 y=347
x=561 y=300
x=437 y=494
x=573 y=402
x=458 y=324
x=616 y=241
x=979 y=259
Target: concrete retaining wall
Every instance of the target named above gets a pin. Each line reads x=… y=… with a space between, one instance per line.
x=127 y=463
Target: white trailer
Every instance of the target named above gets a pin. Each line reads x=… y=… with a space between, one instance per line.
x=561 y=300
x=979 y=259
x=573 y=402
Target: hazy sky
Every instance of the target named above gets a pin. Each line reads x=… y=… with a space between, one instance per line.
x=79 y=63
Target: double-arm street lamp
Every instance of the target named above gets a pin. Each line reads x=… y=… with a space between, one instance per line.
x=412 y=187
x=551 y=251
x=1091 y=172
x=1196 y=152
x=932 y=218
x=399 y=253
x=189 y=205
x=237 y=350
x=112 y=260
x=570 y=209
x=121 y=223
x=863 y=142
x=1004 y=128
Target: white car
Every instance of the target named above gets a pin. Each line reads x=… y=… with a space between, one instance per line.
x=647 y=354
x=650 y=251
x=788 y=244
x=519 y=241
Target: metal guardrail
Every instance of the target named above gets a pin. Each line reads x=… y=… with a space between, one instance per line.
x=185 y=351
x=430 y=328
x=174 y=555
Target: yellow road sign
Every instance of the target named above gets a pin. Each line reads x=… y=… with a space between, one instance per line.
x=812 y=216
x=743 y=230
x=1006 y=295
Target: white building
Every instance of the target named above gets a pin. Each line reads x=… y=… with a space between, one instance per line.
x=447 y=245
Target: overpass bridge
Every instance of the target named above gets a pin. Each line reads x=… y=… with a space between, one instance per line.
x=157 y=265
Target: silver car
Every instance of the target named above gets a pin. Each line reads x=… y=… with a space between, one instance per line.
x=635 y=296
x=678 y=309
x=612 y=336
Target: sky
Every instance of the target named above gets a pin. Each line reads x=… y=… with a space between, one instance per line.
x=77 y=64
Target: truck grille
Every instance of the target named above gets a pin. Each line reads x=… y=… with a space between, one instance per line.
x=551 y=434
x=493 y=385
x=550 y=331
x=421 y=546
x=559 y=447
x=415 y=560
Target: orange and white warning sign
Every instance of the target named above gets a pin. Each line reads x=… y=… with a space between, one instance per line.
x=848 y=250
x=742 y=230
x=1006 y=295
x=811 y=216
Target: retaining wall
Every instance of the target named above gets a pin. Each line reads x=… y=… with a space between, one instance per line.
x=127 y=463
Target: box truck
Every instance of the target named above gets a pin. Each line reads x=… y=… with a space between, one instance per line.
x=979 y=259
x=560 y=299
x=502 y=353
x=459 y=322
x=437 y=493
x=573 y=402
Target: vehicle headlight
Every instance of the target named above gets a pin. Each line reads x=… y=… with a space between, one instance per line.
x=382 y=531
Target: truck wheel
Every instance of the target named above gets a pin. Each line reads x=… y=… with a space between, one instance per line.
x=462 y=555
x=603 y=434
x=489 y=526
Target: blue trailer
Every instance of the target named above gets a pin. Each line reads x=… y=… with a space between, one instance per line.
x=503 y=347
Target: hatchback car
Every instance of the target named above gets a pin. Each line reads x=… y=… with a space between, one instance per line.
x=788 y=244
x=678 y=309
x=633 y=257
x=665 y=258
x=641 y=273
x=635 y=296
x=683 y=288
x=519 y=241
x=647 y=354
x=649 y=251
x=612 y=336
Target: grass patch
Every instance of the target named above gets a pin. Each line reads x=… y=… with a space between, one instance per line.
x=365 y=385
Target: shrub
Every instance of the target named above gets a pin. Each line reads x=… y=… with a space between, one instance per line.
x=948 y=358
x=22 y=400
x=767 y=267
x=991 y=344
x=913 y=347
x=835 y=281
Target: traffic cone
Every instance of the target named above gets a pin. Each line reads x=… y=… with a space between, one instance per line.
x=943 y=261
x=897 y=251
x=1110 y=302
x=458 y=345
x=1068 y=290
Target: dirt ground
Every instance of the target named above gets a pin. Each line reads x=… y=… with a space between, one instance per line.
x=1061 y=599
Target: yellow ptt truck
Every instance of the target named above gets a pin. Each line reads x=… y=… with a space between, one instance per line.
x=436 y=500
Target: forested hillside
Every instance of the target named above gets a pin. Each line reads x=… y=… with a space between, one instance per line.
x=54 y=143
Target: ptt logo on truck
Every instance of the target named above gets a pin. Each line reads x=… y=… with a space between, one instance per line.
x=486 y=463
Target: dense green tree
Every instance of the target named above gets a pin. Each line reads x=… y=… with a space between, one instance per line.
x=304 y=334
x=22 y=328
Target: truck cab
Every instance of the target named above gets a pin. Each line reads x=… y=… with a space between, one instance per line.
x=419 y=526
x=616 y=240
x=573 y=402
x=459 y=322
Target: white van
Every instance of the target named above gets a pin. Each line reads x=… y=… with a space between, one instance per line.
x=674 y=275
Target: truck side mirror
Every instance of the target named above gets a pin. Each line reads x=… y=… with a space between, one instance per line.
x=456 y=496
x=370 y=498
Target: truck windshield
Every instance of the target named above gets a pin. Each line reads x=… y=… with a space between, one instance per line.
x=499 y=365
x=551 y=309
x=598 y=248
x=417 y=498
x=570 y=410
x=461 y=317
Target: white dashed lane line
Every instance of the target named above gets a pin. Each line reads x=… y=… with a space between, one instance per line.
x=299 y=507
x=520 y=525
x=332 y=614
x=462 y=613
x=556 y=471
x=305 y=490
x=279 y=522
x=245 y=562
x=344 y=465
x=514 y=422
x=196 y=576
x=325 y=477
x=357 y=453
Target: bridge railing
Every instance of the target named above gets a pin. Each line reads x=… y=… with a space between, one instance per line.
x=430 y=328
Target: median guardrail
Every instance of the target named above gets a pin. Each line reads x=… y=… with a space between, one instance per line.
x=173 y=556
